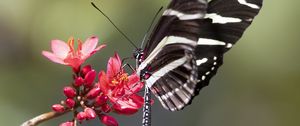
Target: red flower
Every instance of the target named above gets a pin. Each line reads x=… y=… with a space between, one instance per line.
x=66 y=54
x=120 y=87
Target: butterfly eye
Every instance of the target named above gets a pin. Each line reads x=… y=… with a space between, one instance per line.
x=138 y=54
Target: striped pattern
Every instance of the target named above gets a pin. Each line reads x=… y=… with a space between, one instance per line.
x=221 y=19
x=224 y=24
x=174 y=77
x=183 y=16
x=174 y=82
x=187 y=45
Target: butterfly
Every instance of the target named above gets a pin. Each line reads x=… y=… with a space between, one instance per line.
x=187 y=45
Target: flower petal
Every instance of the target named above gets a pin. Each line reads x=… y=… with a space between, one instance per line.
x=100 y=47
x=139 y=100
x=103 y=82
x=134 y=84
x=96 y=50
x=60 y=48
x=128 y=106
x=74 y=62
x=113 y=66
x=89 y=45
x=53 y=57
x=125 y=106
x=125 y=111
x=118 y=58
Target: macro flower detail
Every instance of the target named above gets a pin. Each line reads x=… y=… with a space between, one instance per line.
x=115 y=91
x=121 y=88
x=66 y=54
x=88 y=98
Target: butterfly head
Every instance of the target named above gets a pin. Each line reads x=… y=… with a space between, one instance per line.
x=138 y=55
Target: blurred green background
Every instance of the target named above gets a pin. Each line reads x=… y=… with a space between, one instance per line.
x=258 y=85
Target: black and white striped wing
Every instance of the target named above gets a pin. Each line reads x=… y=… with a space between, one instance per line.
x=169 y=54
x=189 y=42
x=225 y=23
x=179 y=19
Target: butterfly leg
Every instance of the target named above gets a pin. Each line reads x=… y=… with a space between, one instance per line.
x=128 y=66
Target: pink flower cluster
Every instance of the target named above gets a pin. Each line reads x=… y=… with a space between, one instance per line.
x=114 y=91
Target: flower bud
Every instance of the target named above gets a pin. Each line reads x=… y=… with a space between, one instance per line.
x=93 y=93
x=81 y=116
x=101 y=99
x=85 y=70
x=69 y=92
x=106 y=108
x=90 y=113
x=58 y=108
x=76 y=69
x=70 y=102
x=67 y=124
x=78 y=81
x=108 y=120
x=89 y=78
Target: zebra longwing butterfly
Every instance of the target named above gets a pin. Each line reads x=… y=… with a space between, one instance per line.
x=187 y=45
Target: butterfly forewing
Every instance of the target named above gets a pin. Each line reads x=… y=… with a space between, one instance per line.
x=224 y=24
x=170 y=25
x=169 y=53
x=187 y=45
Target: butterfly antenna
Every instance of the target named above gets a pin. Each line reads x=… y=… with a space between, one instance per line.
x=149 y=28
x=114 y=24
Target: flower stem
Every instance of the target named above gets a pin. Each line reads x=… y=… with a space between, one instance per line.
x=43 y=117
x=75 y=122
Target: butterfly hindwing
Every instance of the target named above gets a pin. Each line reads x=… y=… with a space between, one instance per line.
x=173 y=77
